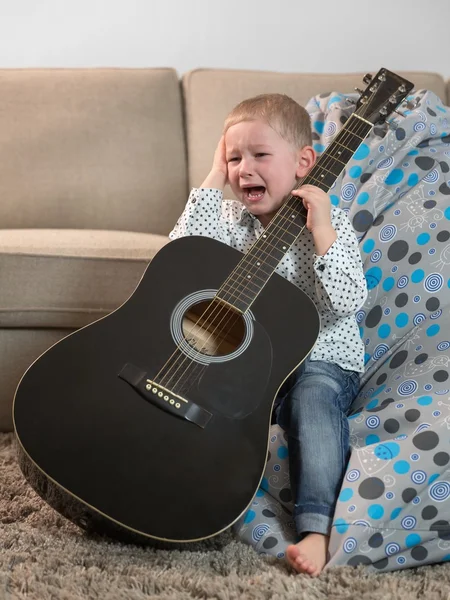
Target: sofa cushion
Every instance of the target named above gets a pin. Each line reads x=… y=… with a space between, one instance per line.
x=91 y=149
x=211 y=93
x=69 y=278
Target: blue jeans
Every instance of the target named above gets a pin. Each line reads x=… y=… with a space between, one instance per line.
x=312 y=407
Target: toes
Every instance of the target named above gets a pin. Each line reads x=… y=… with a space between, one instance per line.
x=311 y=567
x=300 y=562
x=293 y=557
x=292 y=552
x=305 y=565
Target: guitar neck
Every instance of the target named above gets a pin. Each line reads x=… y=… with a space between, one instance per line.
x=257 y=266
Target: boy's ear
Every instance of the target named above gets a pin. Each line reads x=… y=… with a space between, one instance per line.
x=306 y=158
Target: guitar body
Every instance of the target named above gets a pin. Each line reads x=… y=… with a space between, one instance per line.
x=109 y=458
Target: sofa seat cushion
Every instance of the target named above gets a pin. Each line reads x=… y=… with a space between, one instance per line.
x=69 y=278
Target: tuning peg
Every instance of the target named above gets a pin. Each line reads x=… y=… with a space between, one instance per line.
x=367 y=78
x=412 y=104
x=392 y=125
x=360 y=92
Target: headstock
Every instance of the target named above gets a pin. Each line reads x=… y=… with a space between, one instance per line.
x=382 y=96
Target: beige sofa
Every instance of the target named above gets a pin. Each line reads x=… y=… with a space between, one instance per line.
x=95 y=168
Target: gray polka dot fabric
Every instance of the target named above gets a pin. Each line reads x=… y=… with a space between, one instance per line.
x=393 y=510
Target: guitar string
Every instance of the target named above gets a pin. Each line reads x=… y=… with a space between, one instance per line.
x=348 y=134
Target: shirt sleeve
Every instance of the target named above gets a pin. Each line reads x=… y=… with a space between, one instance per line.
x=201 y=215
x=340 y=282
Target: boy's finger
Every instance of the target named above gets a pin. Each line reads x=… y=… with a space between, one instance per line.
x=302 y=193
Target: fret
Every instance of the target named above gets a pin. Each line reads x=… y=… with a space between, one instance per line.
x=317 y=182
x=270 y=255
x=293 y=210
x=291 y=217
x=269 y=237
x=265 y=246
x=257 y=266
x=231 y=295
x=340 y=144
x=247 y=281
x=330 y=167
x=244 y=290
x=357 y=136
x=247 y=276
x=340 y=152
x=256 y=262
x=266 y=254
x=348 y=136
x=323 y=180
x=337 y=159
x=240 y=303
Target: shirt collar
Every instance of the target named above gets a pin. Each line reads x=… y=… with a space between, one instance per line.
x=245 y=215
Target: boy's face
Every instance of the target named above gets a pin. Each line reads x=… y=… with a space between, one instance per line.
x=263 y=167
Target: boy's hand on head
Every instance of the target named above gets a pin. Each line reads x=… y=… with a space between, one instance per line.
x=318 y=221
x=218 y=176
x=220 y=159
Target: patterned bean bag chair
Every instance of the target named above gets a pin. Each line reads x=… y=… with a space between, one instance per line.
x=393 y=511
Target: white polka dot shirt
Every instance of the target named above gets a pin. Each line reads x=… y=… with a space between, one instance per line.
x=335 y=282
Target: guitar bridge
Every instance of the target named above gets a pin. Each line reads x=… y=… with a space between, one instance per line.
x=163 y=398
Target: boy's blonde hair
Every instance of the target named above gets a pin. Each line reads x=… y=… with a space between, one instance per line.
x=282 y=113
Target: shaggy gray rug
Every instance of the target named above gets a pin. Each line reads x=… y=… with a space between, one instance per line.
x=45 y=557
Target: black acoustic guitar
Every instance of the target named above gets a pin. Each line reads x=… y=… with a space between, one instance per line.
x=151 y=424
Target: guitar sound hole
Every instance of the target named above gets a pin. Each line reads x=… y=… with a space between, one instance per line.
x=212 y=328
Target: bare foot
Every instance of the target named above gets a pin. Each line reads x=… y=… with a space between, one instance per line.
x=310 y=555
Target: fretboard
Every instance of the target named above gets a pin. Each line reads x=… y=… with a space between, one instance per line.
x=258 y=265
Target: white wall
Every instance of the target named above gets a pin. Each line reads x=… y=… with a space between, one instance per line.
x=281 y=35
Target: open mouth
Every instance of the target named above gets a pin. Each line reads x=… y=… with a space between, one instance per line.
x=254 y=194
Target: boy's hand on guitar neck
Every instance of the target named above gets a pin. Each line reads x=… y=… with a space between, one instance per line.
x=218 y=176
x=318 y=221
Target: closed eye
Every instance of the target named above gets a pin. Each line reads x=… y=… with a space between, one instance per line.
x=233 y=159
x=260 y=154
